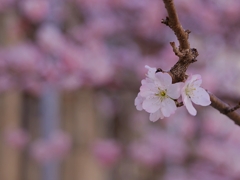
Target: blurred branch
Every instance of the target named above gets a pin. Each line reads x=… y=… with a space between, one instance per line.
x=187 y=56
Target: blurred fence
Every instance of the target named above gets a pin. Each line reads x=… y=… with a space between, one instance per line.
x=78 y=117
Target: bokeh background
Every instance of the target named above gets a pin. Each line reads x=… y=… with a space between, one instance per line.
x=71 y=69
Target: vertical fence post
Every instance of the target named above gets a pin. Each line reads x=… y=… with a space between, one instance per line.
x=10 y=118
x=49 y=121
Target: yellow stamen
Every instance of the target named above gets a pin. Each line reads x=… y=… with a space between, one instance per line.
x=163 y=93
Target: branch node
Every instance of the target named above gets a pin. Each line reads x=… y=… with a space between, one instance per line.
x=159 y=70
x=229 y=110
x=194 y=52
x=165 y=21
x=176 y=50
x=179 y=104
x=187 y=31
x=194 y=60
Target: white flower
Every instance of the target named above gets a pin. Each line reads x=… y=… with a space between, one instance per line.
x=151 y=72
x=138 y=102
x=156 y=95
x=192 y=92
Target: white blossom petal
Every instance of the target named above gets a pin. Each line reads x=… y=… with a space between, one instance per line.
x=148 y=89
x=201 y=97
x=146 y=81
x=151 y=104
x=195 y=80
x=155 y=116
x=174 y=90
x=151 y=72
x=168 y=107
x=188 y=103
x=138 y=102
x=164 y=79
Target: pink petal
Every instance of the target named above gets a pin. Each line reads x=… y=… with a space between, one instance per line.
x=151 y=72
x=168 y=107
x=151 y=104
x=164 y=79
x=155 y=116
x=138 y=102
x=174 y=90
x=146 y=81
x=188 y=103
x=201 y=97
x=195 y=80
x=148 y=89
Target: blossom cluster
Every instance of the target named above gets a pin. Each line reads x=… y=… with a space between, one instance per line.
x=158 y=96
x=57 y=146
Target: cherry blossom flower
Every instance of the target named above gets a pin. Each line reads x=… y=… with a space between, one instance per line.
x=35 y=10
x=16 y=138
x=157 y=95
x=56 y=147
x=107 y=151
x=192 y=92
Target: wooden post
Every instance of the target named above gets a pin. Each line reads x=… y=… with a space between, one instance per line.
x=49 y=122
x=85 y=130
x=10 y=118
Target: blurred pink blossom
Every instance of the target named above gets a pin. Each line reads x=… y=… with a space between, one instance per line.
x=16 y=138
x=60 y=144
x=218 y=125
x=22 y=58
x=41 y=151
x=51 y=39
x=145 y=154
x=5 y=4
x=56 y=147
x=107 y=151
x=35 y=10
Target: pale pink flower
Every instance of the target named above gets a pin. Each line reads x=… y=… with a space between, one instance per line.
x=60 y=144
x=151 y=72
x=107 y=151
x=40 y=151
x=138 y=102
x=157 y=95
x=192 y=92
x=16 y=138
x=56 y=147
x=145 y=154
x=51 y=39
x=35 y=10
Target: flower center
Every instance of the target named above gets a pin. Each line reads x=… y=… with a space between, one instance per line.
x=189 y=90
x=162 y=94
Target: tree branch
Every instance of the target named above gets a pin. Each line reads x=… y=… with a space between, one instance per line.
x=187 y=56
x=224 y=108
x=173 y=22
x=184 y=52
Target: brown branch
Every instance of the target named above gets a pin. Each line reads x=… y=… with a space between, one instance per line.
x=187 y=56
x=179 y=104
x=173 y=22
x=234 y=108
x=224 y=108
x=184 y=52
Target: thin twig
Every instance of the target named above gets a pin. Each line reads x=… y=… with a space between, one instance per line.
x=173 y=22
